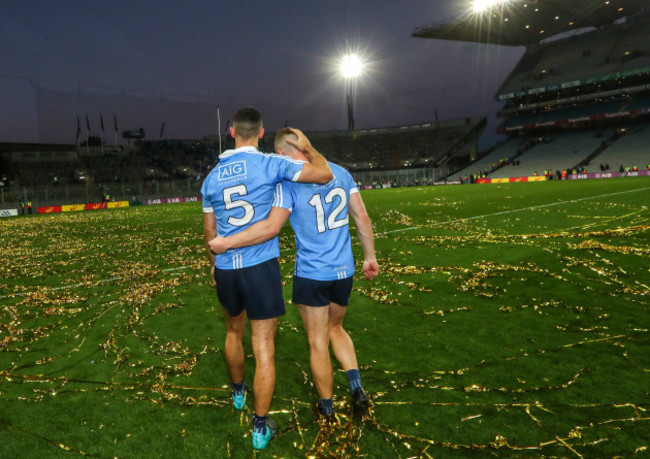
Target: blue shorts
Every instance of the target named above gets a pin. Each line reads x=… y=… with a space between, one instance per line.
x=256 y=289
x=321 y=293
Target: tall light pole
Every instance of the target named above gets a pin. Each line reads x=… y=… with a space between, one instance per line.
x=350 y=107
x=351 y=67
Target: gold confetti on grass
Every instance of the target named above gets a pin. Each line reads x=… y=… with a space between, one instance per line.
x=120 y=284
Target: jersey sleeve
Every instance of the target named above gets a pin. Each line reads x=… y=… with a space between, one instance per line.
x=349 y=183
x=207 y=205
x=283 y=197
x=287 y=168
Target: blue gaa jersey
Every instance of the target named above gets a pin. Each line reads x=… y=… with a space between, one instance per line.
x=320 y=221
x=240 y=191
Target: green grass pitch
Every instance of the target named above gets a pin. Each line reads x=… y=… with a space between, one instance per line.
x=507 y=321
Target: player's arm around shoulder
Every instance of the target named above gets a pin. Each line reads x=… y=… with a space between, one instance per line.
x=257 y=233
x=317 y=170
x=364 y=228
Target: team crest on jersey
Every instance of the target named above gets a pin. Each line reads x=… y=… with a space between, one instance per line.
x=231 y=170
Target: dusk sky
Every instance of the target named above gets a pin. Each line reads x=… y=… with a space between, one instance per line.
x=145 y=63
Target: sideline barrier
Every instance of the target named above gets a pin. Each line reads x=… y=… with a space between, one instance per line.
x=536 y=178
x=49 y=210
x=73 y=207
x=114 y=204
x=110 y=205
x=541 y=178
x=80 y=207
x=599 y=175
x=8 y=212
x=449 y=182
x=150 y=202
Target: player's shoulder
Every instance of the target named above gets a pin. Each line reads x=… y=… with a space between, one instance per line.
x=246 y=152
x=212 y=174
x=340 y=172
x=278 y=157
x=337 y=168
x=252 y=152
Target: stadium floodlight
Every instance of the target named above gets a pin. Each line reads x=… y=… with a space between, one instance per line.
x=482 y=5
x=351 y=68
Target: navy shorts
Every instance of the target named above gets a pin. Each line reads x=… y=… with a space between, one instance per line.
x=256 y=289
x=321 y=293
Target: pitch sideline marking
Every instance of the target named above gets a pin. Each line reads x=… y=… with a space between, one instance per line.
x=504 y=212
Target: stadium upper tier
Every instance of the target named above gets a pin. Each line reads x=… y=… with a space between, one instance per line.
x=603 y=54
x=527 y=22
x=607 y=110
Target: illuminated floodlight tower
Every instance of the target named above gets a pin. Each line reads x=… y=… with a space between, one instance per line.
x=479 y=6
x=351 y=68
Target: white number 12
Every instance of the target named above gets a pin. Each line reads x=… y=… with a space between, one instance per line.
x=332 y=222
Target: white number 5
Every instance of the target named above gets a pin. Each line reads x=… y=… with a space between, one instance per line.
x=249 y=210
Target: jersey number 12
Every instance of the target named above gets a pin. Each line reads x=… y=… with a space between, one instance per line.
x=332 y=222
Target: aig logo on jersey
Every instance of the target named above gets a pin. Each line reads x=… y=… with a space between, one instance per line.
x=232 y=170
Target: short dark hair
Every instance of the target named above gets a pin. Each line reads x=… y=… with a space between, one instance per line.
x=247 y=123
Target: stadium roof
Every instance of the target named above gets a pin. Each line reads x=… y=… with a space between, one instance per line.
x=526 y=22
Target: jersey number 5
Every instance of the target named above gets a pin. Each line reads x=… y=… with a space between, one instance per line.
x=249 y=210
x=332 y=222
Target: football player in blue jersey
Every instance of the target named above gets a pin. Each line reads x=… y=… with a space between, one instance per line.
x=237 y=193
x=324 y=266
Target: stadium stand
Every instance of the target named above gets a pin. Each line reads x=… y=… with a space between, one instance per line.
x=630 y=149
x=583 y=81
x=67 y=174
x=425 y=145
x=604 y=51
x=500 y=157
x=563 y=150
x=578 y=98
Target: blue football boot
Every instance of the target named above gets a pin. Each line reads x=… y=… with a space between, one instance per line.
x=261 y=440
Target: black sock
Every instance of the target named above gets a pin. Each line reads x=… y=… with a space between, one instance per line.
x=355 y=380
x=326 y=406
x=238 y=387
x=259 y=423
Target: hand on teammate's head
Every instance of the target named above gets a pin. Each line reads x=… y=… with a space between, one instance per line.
x=301 y=142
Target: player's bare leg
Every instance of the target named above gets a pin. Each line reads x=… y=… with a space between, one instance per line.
x=234 y=349
x=344 y=350
x=316 y=320
x=342 y=344
x=263 y=340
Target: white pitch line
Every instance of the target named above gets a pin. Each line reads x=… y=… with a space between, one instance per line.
x=505 y=212
x=476 y=217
